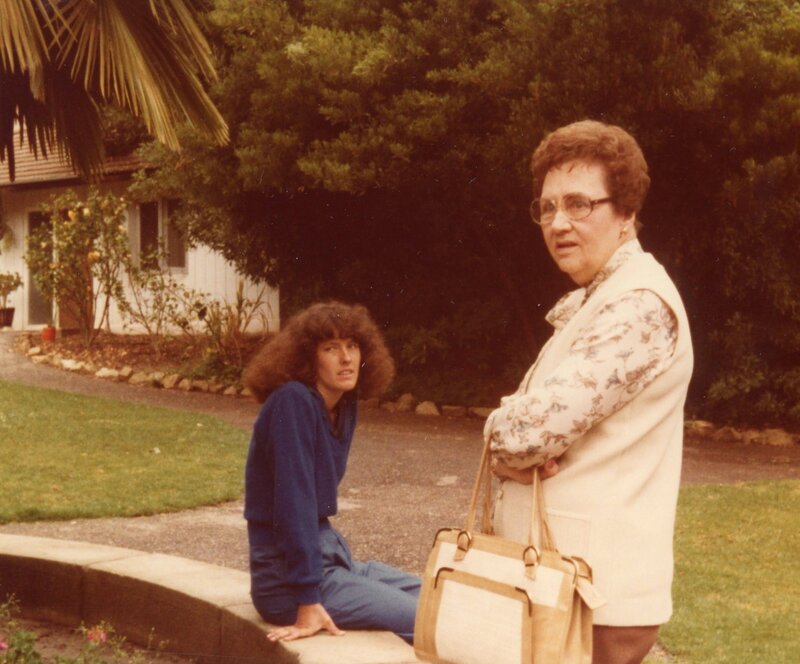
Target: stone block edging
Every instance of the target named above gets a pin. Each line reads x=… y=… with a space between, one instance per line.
x=201 y=610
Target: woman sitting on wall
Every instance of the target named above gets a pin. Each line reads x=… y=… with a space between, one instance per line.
x=303 y=577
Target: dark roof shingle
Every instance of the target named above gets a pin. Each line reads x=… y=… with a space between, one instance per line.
x=31 y=171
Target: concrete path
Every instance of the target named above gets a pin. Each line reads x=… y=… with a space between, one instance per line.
x=408 y=476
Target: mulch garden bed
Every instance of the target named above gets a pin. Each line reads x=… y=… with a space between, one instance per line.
x=141 y=352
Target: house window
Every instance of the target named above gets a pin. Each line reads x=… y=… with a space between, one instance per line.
x=176 y=243
x=40 y=304
x=155 y=230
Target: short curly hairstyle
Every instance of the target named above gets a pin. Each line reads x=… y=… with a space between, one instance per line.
x=292 y=353
x=610 y=146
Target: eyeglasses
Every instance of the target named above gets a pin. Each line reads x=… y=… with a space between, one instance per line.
x=575 y=206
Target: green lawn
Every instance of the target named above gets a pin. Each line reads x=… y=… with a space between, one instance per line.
x=737 y=576
x=65 y=456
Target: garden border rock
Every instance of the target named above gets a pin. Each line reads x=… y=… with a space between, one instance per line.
x=695 y=430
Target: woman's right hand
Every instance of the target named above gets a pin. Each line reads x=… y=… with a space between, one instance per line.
x=311 y=618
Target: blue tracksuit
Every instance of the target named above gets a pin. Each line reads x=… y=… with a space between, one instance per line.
x=294 y=466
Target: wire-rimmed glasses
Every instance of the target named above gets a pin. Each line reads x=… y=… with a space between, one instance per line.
x=575 y=206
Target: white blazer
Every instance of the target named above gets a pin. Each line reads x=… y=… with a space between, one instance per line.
x=613 y=501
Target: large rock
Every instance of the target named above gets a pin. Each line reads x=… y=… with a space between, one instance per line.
x=697 y=431
x=405 y=403
x=727 y=435
x=752 y=436
x=105 y=372
x=72 y=365
x=454 y=411
x=171 y=381
x=201 y=385
x=480 y=412
x=778 y=438
x=427 y=408
x=140 y=378
x=698 y=425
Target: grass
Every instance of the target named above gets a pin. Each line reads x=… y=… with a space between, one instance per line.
x=62 y=456
x=737 y=576
x=66 y=456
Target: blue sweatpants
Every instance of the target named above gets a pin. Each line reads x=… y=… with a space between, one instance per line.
x=356 y=595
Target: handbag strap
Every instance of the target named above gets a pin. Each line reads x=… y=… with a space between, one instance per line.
x=539 y=522
x=483 y=472
x=539 y=515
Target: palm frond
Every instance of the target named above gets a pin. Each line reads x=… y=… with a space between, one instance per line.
x=22 y=42
x=149 y=57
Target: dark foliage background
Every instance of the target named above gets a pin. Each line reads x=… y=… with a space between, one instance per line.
x=379 y=154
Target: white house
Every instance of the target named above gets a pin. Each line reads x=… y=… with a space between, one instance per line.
x=37 y=181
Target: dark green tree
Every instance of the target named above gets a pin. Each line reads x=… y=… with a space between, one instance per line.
x=379 y=153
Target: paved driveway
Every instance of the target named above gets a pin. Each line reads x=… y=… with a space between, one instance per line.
x=408 y=475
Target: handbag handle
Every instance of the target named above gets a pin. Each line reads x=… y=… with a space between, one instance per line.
x=538 y=511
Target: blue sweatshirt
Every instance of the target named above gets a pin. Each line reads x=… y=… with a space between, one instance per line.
x=294 y=466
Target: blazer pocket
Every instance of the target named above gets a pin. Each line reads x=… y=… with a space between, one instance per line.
x=572 y=532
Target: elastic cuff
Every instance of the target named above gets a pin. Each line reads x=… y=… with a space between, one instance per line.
x=308 y=595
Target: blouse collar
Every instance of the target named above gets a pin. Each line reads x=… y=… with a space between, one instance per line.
x=569 y=304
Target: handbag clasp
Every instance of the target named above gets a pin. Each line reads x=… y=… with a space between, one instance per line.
x=531 y=557
x=463 y=544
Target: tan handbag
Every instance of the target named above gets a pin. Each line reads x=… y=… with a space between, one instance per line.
x=488 y=600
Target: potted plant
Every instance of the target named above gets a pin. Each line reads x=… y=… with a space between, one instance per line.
x=9 y=282
x=49 y=333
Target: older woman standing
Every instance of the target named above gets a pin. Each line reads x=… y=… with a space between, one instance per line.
x=605 y=396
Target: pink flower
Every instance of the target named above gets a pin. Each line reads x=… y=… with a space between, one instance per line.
x=3 y=645
x=97 y=635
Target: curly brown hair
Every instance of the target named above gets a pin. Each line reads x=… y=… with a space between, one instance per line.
x=292 y=353
x=610 y=146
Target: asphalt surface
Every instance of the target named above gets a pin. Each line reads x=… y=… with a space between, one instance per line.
x=408 y=475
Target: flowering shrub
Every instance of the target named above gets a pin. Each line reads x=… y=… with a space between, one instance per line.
x=101 y=645
x=97 y=634
x=77 y=257
x=84 y=258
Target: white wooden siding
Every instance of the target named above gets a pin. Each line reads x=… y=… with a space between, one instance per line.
x=206 y=270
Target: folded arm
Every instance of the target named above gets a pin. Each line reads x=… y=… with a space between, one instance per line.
x=626 y=346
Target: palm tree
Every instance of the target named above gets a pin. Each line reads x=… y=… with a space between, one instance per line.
x=61 y=60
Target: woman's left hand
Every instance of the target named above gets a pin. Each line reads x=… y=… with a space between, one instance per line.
x=524 y=475
x=311 y=618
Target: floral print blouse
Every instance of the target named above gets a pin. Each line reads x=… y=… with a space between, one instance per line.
x=616 y=356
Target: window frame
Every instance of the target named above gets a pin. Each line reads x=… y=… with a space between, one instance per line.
x=163 y=235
